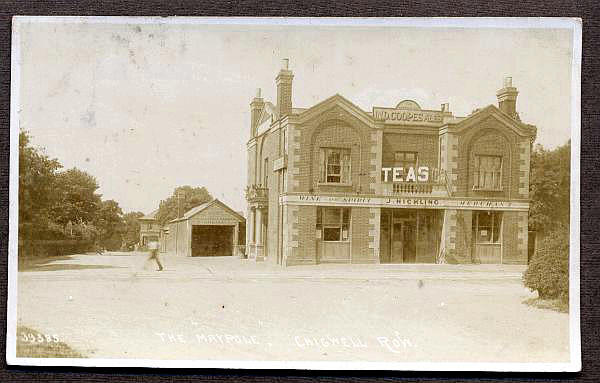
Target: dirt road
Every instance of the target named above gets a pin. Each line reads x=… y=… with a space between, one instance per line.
x=117 y=306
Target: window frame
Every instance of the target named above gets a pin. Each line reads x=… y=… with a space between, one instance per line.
x=403 y=161
x=496 y=221
x=265 y=175
x=345 y=161
x=344 y=223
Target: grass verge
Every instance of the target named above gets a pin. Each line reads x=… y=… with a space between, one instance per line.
x=560 y=305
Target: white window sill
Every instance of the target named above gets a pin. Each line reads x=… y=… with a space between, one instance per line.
x=334 y=184
x=488 y=189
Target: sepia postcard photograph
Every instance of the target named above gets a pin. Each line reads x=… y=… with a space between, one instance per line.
x=295 y=193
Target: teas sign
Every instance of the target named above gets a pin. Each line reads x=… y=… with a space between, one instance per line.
x=400 y=174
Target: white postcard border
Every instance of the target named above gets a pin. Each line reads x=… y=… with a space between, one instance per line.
x=489 y=22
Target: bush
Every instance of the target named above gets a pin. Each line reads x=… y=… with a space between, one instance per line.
x=548 y=271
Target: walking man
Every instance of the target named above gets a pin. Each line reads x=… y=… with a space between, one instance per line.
x=153 y=247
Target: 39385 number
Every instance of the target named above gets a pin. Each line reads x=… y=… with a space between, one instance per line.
x=39 y=338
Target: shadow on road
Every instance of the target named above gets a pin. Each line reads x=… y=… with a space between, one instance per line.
x=50 y=264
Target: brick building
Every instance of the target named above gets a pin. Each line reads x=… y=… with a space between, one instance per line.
x=335 y=183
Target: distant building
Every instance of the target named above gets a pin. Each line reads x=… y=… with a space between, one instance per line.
x=149 y=229
x=400 y=184
x=210 y=229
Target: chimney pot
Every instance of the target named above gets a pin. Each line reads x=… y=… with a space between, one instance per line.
x=257 y=92
x=507 y=98
x=284 y=89
x=285 y=64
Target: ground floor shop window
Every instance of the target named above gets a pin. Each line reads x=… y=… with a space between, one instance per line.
x=333 y=224
x=487 y=226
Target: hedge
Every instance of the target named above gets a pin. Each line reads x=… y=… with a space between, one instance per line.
x=53 y=248
x=548 y=271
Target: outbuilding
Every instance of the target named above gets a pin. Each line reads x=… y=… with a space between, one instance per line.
x=210 y=229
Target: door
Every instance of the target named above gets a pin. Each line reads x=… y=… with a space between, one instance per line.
x=397 y=243
x=487 y=236
x=409 y=242
x=385 y=240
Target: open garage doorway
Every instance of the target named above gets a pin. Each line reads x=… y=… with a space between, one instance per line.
x=212 y=240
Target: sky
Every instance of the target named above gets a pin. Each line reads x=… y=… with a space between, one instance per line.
x=149 y=107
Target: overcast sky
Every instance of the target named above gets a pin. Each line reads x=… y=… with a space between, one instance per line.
x=145 y=108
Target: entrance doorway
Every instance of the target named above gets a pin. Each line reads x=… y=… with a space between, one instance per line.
x=487 y=236
x=409 y=236
x=212 y=240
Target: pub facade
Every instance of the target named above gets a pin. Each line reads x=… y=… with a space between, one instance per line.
x=397 y=184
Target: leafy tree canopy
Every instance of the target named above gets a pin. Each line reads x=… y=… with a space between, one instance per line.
x=37 y=188
x=183 y=199
x=79 y=202
x=549 y=186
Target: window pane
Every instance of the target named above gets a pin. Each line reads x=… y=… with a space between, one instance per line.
x=333 y=157
x=346 y=167
x=331 y=234
x=322 y=177
x=484 y=227
x=332 y=216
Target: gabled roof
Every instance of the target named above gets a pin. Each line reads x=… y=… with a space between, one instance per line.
x=197 y=209
x=341 y=101
x=150 y=216
x=494 y=112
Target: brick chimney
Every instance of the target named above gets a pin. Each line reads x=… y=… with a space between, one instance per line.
x=507 y=98
x=284 y=89
x=256 y=106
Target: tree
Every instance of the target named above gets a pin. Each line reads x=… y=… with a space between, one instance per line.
x=183 y=199
x=79 y=203
x=37 y=191
x=549 y=215
x=549 y=186
x=110 y=225
x=131 y=235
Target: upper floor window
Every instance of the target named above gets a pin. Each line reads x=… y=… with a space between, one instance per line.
x=335 y=165
x=488 y=173
x=266 y=173
x=150 y=226
x=406 y=160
